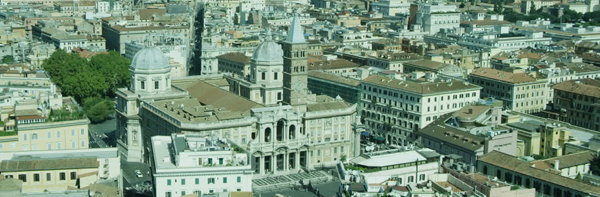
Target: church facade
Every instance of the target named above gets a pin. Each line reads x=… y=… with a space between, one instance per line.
x=295 y=130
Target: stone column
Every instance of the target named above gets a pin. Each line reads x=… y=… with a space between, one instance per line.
x=273 y=163
x=262 y=164
x=286 y=161
x=297 y=160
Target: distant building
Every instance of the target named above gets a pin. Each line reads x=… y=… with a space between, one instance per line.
x=570 y=165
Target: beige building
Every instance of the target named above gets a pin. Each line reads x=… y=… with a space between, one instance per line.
x=235 y=63
x=567 y=165
x=515 y=171
x=60 y=170
x=547 y=139
x=519 y=91
x=395 y=108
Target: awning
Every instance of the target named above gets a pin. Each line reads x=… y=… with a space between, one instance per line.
x=364 y=133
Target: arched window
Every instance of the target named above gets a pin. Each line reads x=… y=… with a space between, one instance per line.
x=280 y=128
x=34 y=136
x=292 y=132
x=267 y=134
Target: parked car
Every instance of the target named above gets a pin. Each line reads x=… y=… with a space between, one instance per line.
x=138 y=174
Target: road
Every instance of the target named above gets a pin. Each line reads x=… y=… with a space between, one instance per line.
x=107 y=128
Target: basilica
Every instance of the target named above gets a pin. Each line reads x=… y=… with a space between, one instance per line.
x=271 y=115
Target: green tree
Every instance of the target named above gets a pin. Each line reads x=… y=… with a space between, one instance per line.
x=532 y=10
x=100 y=77
x=98 y=109
x=578 y=177
x=8 y=59
x=595 y=15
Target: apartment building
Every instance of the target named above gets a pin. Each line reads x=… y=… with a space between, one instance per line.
x=394 y=108
x=191 y=164
x=576 y=101
x=570 y=165
x=28 y=128
x=392 y=61
x=433 y=17
x=547 y=139
x=503 y=42
x=116 y=34
x=518 y=90
x=235 y=63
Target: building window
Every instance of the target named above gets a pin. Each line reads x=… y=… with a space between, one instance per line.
x=57 y=133
x=63 y=176
x=224 y=179
x=23 y=177
x=58 y=145
x=36 y=177
x=73 y=175
x=275 y=76
x=142 y=85
x=82 y=143
x=49 y=135
x=156 y=84
x=263 y=76
x=168 y=181
x=182 y=181
x=82 y=131
x=239 y=179
x=72 y=132
x=72 y=144
x=168 y=194
x=197 y=181
x=278 y=95
x=48 y=177
x=183 y=193
x=25 y=137
x=411 y=179
x=49 y=146
x=211 y=180
x=421 y=177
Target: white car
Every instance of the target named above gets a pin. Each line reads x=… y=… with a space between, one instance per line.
x=138 y=174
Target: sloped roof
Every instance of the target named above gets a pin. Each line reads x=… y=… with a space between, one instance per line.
x=500 y=75
x=588 y=87
x=295 y=33
x=208 y=94
x=512 y=163
x=439 y=130
x=235 y=57
x=566 y=161
x=334 y=78
x=48 y=164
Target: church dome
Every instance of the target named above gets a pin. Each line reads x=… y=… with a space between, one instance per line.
x=268 y=51
x=150 y=58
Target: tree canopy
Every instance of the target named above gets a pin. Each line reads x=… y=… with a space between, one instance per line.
x=89 y=82
x=80 y=78
x=8 y=59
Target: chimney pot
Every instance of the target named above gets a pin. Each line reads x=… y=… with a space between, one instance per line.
x=556 y=165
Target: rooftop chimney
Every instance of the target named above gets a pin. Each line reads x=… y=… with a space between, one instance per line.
x=556 y=164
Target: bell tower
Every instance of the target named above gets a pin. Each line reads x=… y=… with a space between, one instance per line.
x=295 y=90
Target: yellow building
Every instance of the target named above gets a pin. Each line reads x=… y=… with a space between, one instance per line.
x=27 y=128
x=546 y=139
x=60 y=174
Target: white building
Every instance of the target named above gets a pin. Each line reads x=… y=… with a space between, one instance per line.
x=390 y=7
x=503 y=42
x=355 y=38
x=394 y=108
x=402 y=166
x=435 y=16
x=186 y=164
x=304 y=132
x=102 y=7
